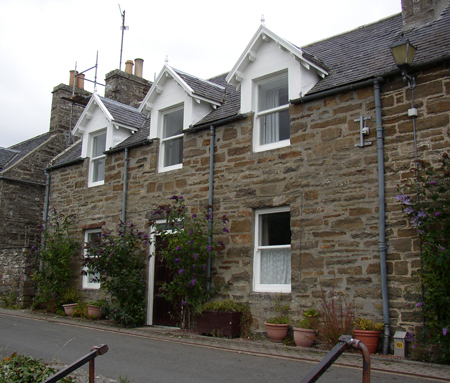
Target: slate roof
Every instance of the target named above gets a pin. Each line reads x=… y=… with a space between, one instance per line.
x=70 y=154
x=365 y=53
x=124 y=114
x=9 y=156
x=231 y=103
x=207 y=89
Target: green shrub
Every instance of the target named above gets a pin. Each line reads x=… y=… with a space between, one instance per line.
x=25 y=369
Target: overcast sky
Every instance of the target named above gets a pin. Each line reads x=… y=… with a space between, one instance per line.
x=42 y=40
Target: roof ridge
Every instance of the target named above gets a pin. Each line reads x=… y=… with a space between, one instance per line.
x=29 y=140
x=349 y=31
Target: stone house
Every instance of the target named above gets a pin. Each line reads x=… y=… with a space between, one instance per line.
x=23 y=184
x=311 y=141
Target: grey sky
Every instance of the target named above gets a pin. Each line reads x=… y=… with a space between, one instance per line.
x=41 y=40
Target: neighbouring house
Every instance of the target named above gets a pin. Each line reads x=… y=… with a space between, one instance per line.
x=22 y=188
x=301 y=148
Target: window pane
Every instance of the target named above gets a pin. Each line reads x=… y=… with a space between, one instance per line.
x=173 y=123
x=275 y=127
x=275 y=266
x=173 y=151
x=273 y=93
x=276 y=229
x=98 y=145
x=98 y=170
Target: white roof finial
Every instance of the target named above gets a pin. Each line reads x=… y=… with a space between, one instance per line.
x=263 y=20
x=166 y=61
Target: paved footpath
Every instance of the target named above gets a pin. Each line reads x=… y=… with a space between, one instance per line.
x=389 y=364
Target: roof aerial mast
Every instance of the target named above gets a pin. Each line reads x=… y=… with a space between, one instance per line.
x=123 y=28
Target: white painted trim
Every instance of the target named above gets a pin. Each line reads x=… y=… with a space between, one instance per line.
x=258 y=287
x=162 y=113
x=85 y=285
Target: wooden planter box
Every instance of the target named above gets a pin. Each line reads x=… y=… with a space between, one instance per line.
x=219 y=323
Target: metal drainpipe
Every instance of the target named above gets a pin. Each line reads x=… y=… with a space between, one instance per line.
x=382 y=217
x=47 y=202
x=211 y=197
x=125 y=180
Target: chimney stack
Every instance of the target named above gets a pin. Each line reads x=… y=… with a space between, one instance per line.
x=129 y=67
x=416 y=13
x=78 y=78
x=138 y=69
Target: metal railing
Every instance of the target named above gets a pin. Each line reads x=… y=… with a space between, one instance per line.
x=96 y=351
x=345 y=342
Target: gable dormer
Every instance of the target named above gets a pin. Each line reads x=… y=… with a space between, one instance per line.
x=270 y=72
x=104 y=124
x=175 y=101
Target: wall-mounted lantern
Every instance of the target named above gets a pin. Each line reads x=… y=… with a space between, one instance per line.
x=403 y=52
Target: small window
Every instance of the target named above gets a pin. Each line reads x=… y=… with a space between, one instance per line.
x=272 y=260
x=91 y=280
x=273 y=121
x=97 y=173
x=172 y=140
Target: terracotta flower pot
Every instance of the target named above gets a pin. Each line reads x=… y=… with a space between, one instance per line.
x=369 y=338
x=69 y=308
x=304 y=337
x=277 y=332
x=95 y=311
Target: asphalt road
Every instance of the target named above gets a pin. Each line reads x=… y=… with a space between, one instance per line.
x=145 y=360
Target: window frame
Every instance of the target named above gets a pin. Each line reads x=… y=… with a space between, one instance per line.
x=85 y=284
x=164 y=141
x=257 y=285
x=93 y=159
x=260 y=114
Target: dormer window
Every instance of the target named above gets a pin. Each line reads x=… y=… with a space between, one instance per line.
x=273 y=113
x=97 y=165
x=171 y=156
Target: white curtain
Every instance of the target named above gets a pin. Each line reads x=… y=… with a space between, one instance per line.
x=275 y=266
x=269 y=124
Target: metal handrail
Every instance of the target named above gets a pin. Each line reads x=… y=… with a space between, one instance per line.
x=96 y=351
x=345 y=341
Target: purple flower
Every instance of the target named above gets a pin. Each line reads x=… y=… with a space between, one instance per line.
x=422 y=214
x=194 y=266
x=438 y=213
x=181 y=271
x=193 y=216
x=204 y=267
x=208 y=248
x=181 y=197
x=420 y=304
x=444 y=331
x=208 y=216
x=176 y=260
x=193 y=283
x=174 y=197
x=442 y=248
x=178 y=248
x=225 y=230
x=191 y=232
x=409 y=210
x=183 y=303
x=195 y=257
x=432 y=183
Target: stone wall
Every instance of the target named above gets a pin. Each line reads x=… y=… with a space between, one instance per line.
x=330 y=185
x=126 y=88
x=22 y=192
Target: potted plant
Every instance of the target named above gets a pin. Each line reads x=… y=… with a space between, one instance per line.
x=224 y=318
x=305 y=329
x=94 y=309
x=70 y=300
x=368 y=332
x=277 y=327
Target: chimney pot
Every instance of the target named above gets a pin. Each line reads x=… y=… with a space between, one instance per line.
x=139 y=67
x=80 y=81
x=129 y=67
x=73 y=73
